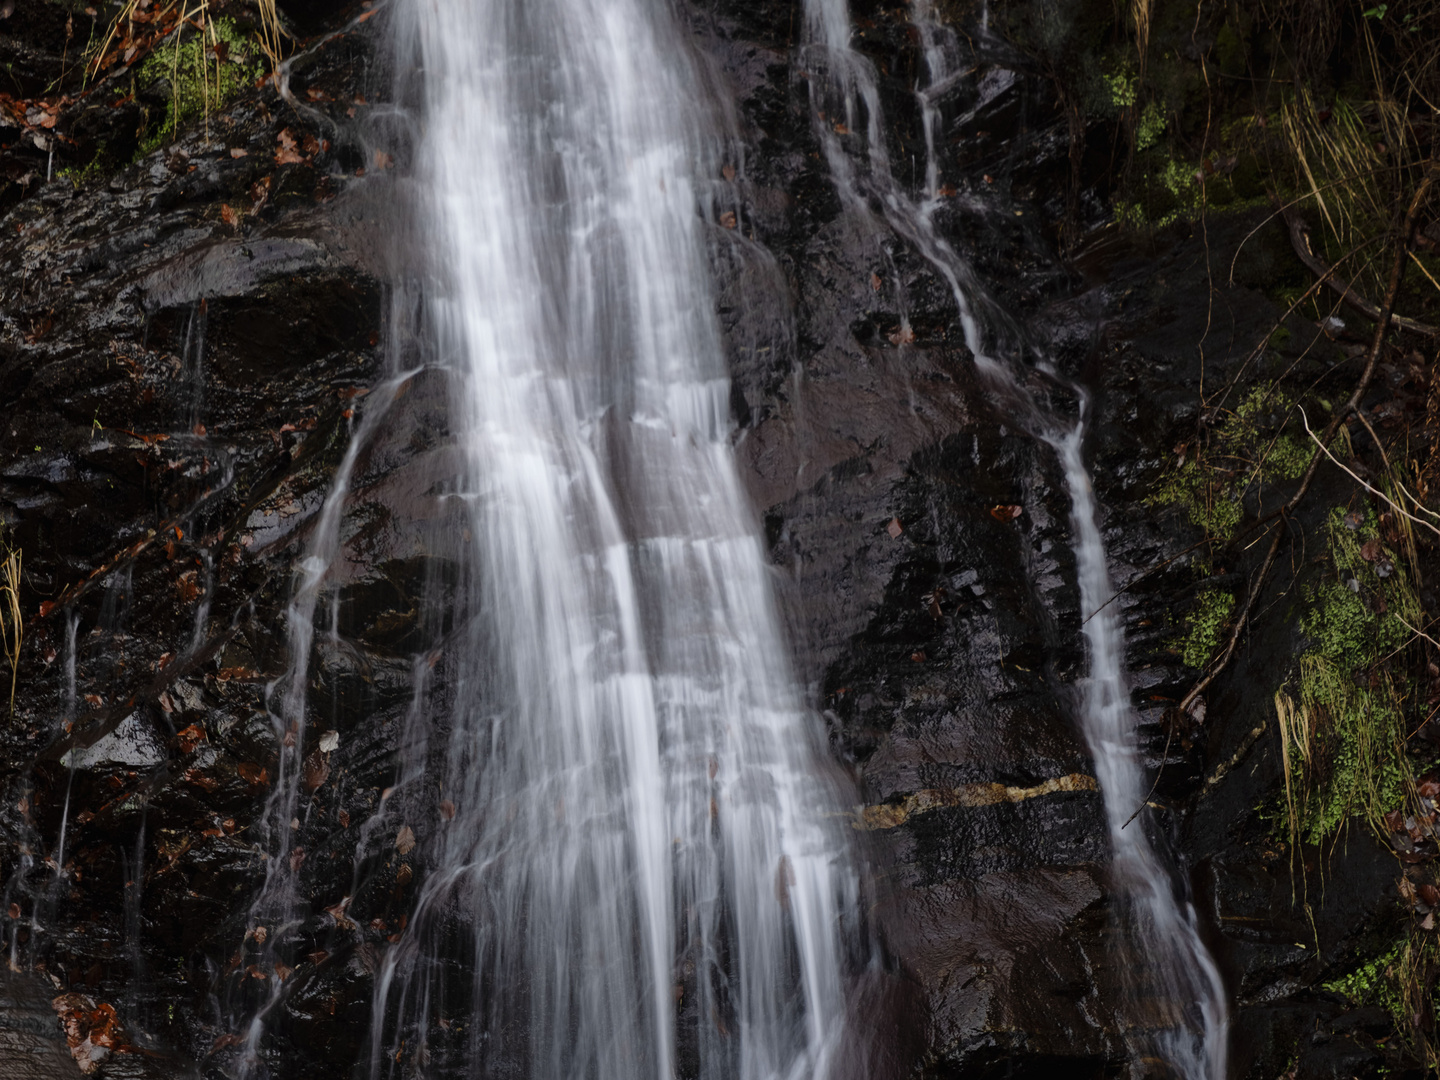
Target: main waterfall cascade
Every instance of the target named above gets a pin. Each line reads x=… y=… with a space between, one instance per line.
x=1179 y=1011
x=645 y=824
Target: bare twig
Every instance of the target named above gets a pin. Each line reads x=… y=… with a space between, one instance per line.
x=1368 y=487
x=1300 y=240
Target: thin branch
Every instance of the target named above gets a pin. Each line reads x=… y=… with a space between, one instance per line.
x=1368 y=487
x=1300 y=240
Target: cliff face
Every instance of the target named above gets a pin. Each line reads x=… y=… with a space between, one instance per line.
x=191 y=340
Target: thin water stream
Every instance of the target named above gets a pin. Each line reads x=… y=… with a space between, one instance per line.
x=1178 y=1009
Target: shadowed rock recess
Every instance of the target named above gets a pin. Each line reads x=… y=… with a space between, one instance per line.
x=190 y=339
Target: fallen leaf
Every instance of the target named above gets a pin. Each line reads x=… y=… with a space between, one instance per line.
x=894 y=528
x=1428 y=787
x=1006 y=513
x=404 y=874
x=287 y=154
x=337 y=912
x=190 y=737
x=237 y=152
x=259 y=934
x=728 y=219
x=317 y=770
x=344 y=819
x=229 y=216
x=252 y=773
x=875 y=282
x=297 y=859
x=902 y=335
x=225 y=1040
x=1429 y=895
x=1370 y=550
x=282 y=972
x=728 y=171
x=447 y=809
x=405 y=840
x=318 y=957
x=329 y=741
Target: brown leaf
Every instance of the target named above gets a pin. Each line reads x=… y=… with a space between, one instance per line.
x=318 y=957
x=894 y=528
x=405 y=840
x=728 y=219
x=252 y=773
x=189 y=738
x=447 y=809
x=875 y=282
x=287 y=154
x=344 y=819
x=902 y=335
x=404 y=874
x=1370 y=550
x=727 y=171
x=1429 y=895
x=228 y=1039
x=228 y=215
x=282 y=972
x=14 y=911
x=297 y=859
x=188 y=586
x=317 y=770
x=238 y=152
x=1006 y=513
x=1428 y=787
x=200 y=780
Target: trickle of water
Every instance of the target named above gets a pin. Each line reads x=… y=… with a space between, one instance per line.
x=647 y=858
x=1190 y=1019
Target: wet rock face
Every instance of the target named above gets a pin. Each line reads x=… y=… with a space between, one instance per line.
x=189 y=346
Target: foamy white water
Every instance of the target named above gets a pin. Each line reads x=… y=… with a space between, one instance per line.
x=1179 y=1010
x=648 y=864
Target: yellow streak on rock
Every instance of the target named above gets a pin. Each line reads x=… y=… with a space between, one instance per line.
x=889 y=815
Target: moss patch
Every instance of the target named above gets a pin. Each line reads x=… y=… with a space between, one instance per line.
x=204 y=71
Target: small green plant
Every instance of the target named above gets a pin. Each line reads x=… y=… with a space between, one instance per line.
x=1205 y=627
x=1150 y=127
x=205 y=69
x=1344 y=742
x=1249 y=447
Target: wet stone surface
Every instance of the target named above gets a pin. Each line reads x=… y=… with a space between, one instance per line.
x=178 y=393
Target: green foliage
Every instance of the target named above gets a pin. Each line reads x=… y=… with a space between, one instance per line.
x=1205 y=626
x=1346 y=749
x=1372 y=983
x=1150 y=127
x=1249 y=447
x=202 y=75
x=1122 y=88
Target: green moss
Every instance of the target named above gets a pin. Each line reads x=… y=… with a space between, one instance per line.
x=1150 y=127
x=1244 y=449
x=1372 y=983
x=200 y=79
x=1205 y=627
x=1206 y=500
x=1347 y=752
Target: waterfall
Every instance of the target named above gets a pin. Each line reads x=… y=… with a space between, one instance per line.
x=644 y=854
x=1179 y=1009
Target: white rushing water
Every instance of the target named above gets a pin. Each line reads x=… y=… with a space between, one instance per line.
x=648 y=856
x=1178 y=1008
